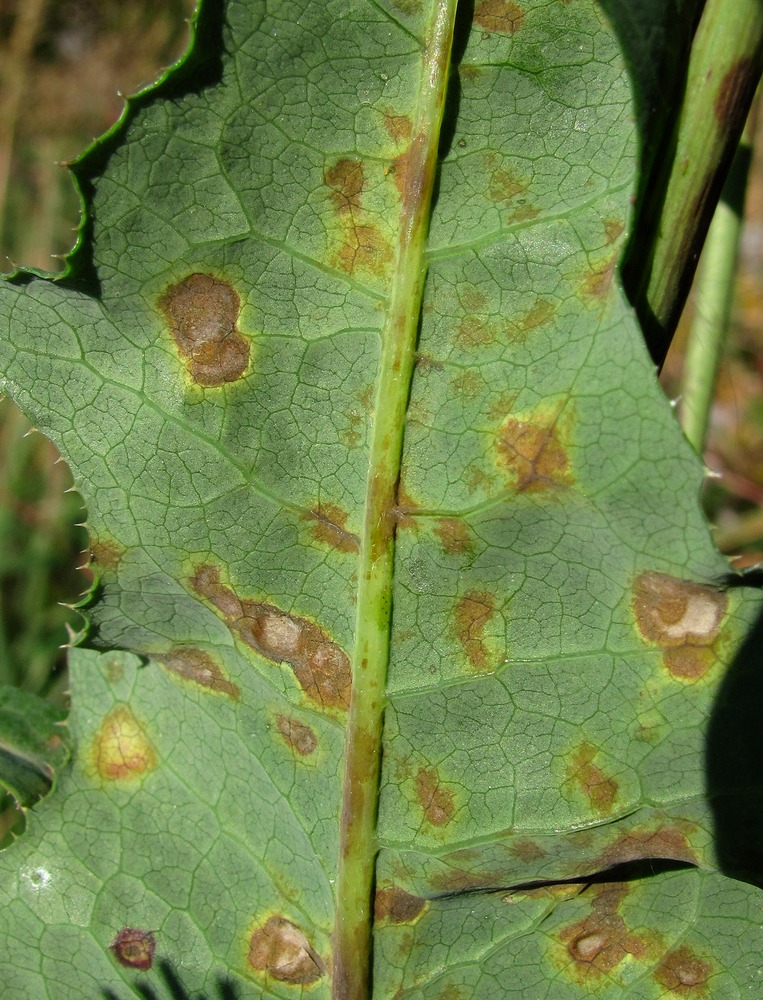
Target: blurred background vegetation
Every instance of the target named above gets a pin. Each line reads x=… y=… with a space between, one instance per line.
x=63 y=64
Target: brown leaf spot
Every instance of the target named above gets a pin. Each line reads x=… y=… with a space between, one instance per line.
x=613 y=228
x=321 y=668
x=596 y=284
x=526 y=850
x=475 y=332
x=683 y=618
x=735 y=91
x=134 y=948
x=532 y=450
x=197 y=666
x=281 y=949
x=106 y=553
x=684 y=973
x=665 y=843
x=541 y=313
x=120 y=750
x=504 y=185
x=363 y=248
x=599 y=942
x=499 y=16
x=435 y=800
x=397 y=906
x=202 y=312
x=468 y=384
x=328 y=526
x=347 y=182
x=300 y=737
x=473 y=611
x=582 y=773
x=454 y=535
x=399 y=127
x=523 y=214
x=472 y=299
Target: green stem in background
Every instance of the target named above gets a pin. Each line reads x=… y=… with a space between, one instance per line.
x=747 y=531
x=360 y=792
x=724 y=69
x=715 y=293
x=26 y=30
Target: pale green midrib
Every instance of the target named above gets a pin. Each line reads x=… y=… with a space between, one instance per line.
x=356 y=868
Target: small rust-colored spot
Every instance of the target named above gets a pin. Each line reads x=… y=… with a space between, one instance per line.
x=347 y=182
x=281 y=949
x=134 y=948
x=499 y=16
x=736 y=87
x=321 y=668
x=541 y=313
x=683 y=618
x=435 y=800
x=526 y=850
x=472 y=614
x=596 y=284
x=583 y=774
x=454 y=534
x=399 y=127
x=106 y=553
x=451 y=992
x=475 y=332
x=468 y=384
x=533 y=451
x=300 y=737
x=197 y=666
x=684 y=973
x=599 y=942
x=504 y=185
x=613 y=228
x=666 y=843
x=397 y=906
x=463 y=880
x=472 y=299
x=202 y=312
x=120 y=750
x=328 y=526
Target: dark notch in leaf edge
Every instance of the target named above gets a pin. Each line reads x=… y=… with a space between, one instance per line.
x=200 y=66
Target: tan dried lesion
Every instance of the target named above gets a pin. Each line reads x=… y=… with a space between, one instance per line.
x=202 y=315
x=682 y=617
x=320 y=666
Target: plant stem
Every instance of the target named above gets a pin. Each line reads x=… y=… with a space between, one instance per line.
x=715 y=293
x=356 y=869
x=724 y=69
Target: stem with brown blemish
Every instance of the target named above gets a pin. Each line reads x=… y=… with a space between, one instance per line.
x=357 y=858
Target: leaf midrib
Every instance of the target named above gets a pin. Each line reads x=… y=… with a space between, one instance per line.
x=360 y=792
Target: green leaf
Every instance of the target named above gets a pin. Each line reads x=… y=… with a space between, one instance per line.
x=32 y=744
x=397 y=528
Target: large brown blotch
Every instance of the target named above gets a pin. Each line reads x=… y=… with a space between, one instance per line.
x=322 y=669
x=202 y=313
x=499 y=16
x=682 y=618
x=684 y=973
x=665 y=843
x=280 y=949
x=534 y=452
x=598 y=943
x=472 y=615
x=198 y=667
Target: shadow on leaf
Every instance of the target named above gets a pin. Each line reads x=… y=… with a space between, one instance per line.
x=734 y=752
x=172 y=988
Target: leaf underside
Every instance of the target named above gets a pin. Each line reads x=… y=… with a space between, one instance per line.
x=562 y=654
